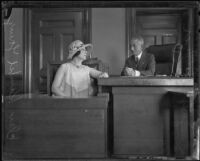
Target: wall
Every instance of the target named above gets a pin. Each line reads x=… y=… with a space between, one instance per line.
x=13 y=42
x=108 y=37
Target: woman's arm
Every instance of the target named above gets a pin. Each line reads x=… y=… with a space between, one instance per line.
x=98 y=74
x=57 y=82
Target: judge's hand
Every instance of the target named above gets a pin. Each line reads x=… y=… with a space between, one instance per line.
x=129 y=71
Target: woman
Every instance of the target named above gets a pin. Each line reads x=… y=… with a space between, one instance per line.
x=72 y=79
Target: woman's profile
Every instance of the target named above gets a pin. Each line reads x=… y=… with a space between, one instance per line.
x=73 y=79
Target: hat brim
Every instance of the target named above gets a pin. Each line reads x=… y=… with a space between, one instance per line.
x=88 y=47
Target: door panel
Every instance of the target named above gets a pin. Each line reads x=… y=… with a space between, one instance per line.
x=44 y=128
x=159 y=28
x=140 y=126
x=52 y=31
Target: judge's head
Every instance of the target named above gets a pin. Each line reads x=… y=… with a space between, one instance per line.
x=137 y=44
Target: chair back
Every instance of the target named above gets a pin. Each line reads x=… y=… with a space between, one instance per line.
x=167 y=58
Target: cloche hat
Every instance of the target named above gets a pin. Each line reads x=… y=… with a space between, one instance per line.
x=75 y=46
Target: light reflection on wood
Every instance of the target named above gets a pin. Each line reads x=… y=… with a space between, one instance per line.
x=13 y=128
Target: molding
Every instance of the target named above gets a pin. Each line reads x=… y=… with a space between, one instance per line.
x=128 y=31
x=27 y=50
x=61 y=4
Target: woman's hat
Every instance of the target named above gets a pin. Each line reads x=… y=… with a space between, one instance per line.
x=75 y=46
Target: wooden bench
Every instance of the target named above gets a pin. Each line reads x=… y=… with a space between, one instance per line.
x=40 y=126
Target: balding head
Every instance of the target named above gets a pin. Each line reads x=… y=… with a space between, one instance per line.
x=138 y=38
x=137 y=43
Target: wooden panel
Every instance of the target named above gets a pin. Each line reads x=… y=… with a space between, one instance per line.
x=57 y=23
x=158 y=25
x=140 y=122
x=47 y=48
x=148 y=121
x=149 y=40
x=60 y=133
x=56 y=128
x=159 y=35
x=169 y=39
x=29 y=101
x=181 y=131
x=13 y=84
x=158 y=21
x=146 y=81
x=182 y=123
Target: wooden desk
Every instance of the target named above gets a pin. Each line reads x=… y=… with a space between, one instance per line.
x=182 y=123
x=149 y=117
x=42 y=127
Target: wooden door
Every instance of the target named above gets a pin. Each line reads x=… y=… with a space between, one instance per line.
x=159 y=28
x=52 y=31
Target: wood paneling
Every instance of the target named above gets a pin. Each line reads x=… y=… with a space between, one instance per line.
x=146 y=81
x=182 y=110
x=138 y=123
x=148 y=120
x=13 y=84
x=46 y=127
x=158 y=28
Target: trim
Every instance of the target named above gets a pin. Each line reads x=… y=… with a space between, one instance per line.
x=61 y=4
x=2 y=81
x=2 y=55
x=196 y=61
x=128 y=32
x=87 y=23
x=190 y=43
x=27 y=50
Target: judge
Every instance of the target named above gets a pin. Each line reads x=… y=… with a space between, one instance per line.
x=140 y=63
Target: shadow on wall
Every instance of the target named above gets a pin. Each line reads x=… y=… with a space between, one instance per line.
x=115 y=64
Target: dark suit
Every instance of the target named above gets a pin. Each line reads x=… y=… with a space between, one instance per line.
x=146 y=64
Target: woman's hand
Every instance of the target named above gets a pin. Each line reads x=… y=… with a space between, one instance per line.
x=103 y=75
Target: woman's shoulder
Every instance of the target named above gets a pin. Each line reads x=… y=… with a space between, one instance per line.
x=64 y=66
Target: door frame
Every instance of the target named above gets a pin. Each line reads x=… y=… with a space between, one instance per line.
x=28 y=81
